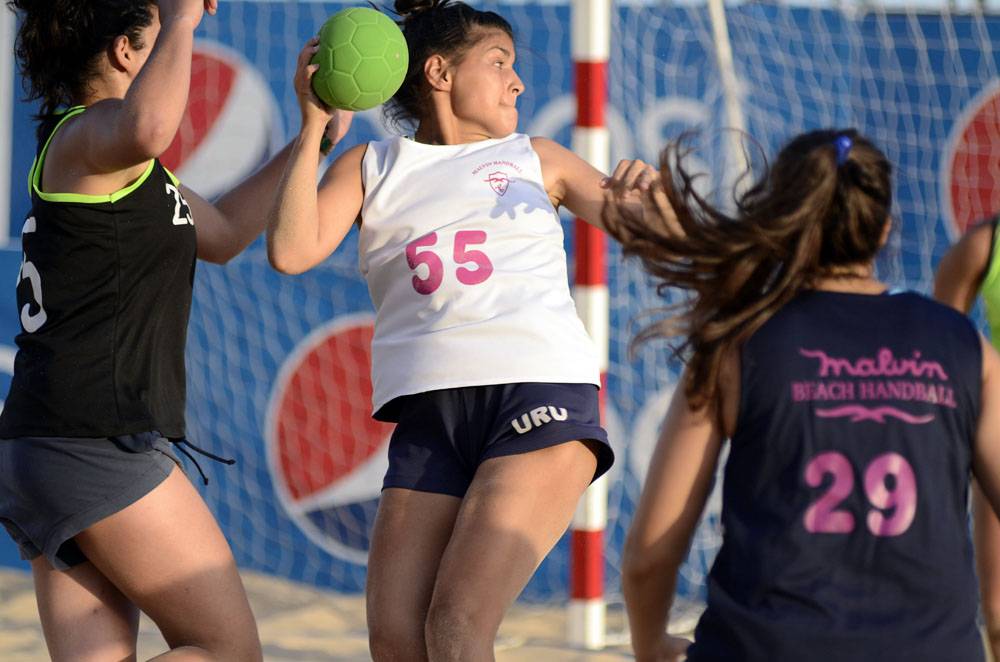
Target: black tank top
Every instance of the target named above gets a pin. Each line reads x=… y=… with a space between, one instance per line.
x=846 y=532
x=103 y=295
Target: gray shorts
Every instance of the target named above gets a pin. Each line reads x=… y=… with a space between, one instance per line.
x=52 y=488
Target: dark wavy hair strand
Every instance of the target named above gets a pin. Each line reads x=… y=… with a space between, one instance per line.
x=58 y=42
x=809 y=216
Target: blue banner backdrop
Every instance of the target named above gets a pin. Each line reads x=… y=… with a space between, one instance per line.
x=258 y=341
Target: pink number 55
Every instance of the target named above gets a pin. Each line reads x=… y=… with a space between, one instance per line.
x=461 y=254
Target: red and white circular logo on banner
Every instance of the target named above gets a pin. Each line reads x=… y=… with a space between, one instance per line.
x=326 y=454
x=971 y=164
x=231 y=124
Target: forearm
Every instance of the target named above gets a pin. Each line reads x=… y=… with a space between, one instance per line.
x=293 y=221
x=246 y=207
x=649 y=595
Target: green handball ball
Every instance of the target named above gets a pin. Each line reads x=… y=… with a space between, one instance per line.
x=362 y=59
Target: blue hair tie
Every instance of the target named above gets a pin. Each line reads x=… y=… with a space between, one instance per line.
x=844 y=144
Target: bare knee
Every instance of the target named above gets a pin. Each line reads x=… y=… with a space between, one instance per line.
x=229 y=646
x=396 y=637
x=248 y=648
x=456 y=631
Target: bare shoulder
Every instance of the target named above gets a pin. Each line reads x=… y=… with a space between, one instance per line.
x=546 y=145
x=354 y=155
x=348 y=162
x=975 y=245
x=570 y=180
x=548 y=149
x=963 y=267
x=77 y=135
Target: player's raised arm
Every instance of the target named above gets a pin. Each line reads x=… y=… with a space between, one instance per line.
x=306 y=225
x=961 y=270
x=138 y=124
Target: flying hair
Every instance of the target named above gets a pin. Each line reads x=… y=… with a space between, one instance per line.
x=819 y=212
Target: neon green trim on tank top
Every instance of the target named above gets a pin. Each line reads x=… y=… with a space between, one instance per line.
x=35 y=174
x=172 y=176
x=990 y=291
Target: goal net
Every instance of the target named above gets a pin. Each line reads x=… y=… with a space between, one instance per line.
x=279 y=365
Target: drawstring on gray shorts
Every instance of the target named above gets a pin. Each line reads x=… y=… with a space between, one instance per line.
x=180 y=442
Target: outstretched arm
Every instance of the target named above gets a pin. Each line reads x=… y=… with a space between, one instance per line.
x=580 y=187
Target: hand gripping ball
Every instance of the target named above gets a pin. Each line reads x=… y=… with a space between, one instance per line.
x=362 y=59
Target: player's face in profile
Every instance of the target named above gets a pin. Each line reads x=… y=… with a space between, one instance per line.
x=486 y=87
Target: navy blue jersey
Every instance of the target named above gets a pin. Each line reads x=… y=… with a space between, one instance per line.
x=845 y=494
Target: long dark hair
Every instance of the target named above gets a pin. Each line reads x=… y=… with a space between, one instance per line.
x=434 y=27
x=820 y=210
x=59 y=40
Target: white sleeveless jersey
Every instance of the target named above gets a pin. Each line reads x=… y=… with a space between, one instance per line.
x=463 y=254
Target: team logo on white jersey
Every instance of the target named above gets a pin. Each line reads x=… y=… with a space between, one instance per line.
x=498 y=181
x=538 y=417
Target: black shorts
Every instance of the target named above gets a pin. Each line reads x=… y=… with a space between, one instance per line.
x=52 y=488
x=443 y=436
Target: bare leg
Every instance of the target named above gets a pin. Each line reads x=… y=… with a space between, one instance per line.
x=514 y=513
x=166 y=553
x=84 y=616
x=411 y=531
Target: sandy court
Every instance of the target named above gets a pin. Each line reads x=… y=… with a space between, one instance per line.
x=300 y=623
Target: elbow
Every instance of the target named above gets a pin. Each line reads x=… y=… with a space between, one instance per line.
x=284 y=262
x=645 y=561
x=217 y=257
x=153 y=135
x=638 y=564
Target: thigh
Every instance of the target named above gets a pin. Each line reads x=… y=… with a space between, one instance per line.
x=84 y=616
x=166 y=553
x=513 y=514
x=411 y=532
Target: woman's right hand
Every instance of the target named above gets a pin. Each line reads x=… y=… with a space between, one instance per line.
x=670 y=649
x=191 y=9
x=313 y=109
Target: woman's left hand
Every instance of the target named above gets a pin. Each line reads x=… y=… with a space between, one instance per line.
x=631 y=176
x=636 y=189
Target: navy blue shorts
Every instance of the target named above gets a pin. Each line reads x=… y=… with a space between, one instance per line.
x=443 y=436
